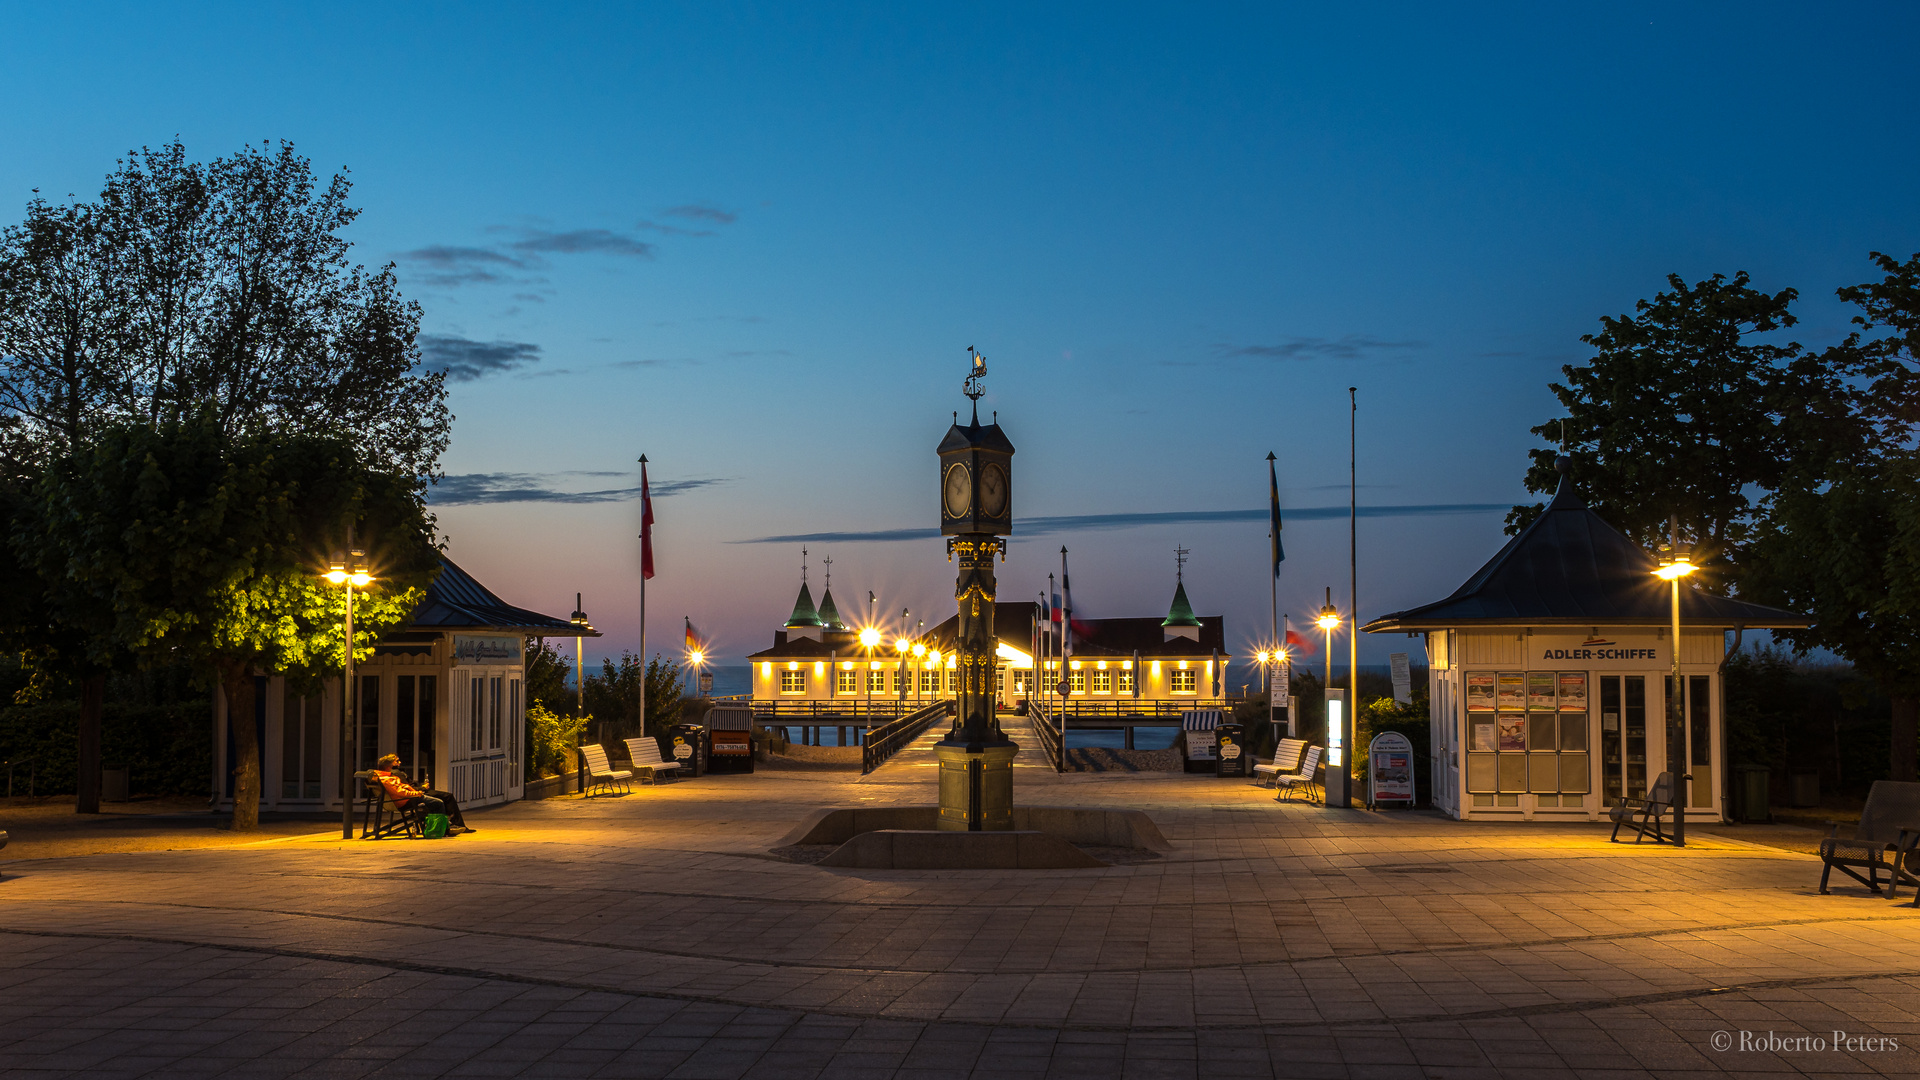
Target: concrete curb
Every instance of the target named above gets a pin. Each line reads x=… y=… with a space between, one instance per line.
x=1070 y=824
x=936 y=849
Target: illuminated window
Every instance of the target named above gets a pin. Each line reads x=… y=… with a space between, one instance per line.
x=1126 y=682
x=1183 y=681
x=876 y=682
x=1103 y=682
x=929 y=681
x=1077 y=682
x=845 y=683
x=1000 y=680
x=793 y=682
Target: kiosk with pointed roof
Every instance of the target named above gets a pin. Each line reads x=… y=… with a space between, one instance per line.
x=1548 y=674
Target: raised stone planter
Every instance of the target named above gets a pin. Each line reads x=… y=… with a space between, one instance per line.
x=909 y=838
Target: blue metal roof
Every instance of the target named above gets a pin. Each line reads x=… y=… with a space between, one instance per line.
x=1571 y=568
x=456 y=601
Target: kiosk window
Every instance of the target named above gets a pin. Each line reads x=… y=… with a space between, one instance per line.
x=1126 y=682
x=1534 y=738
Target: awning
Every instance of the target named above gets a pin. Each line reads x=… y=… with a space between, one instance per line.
x=1201 y=719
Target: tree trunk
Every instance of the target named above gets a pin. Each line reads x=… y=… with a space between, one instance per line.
x=236 y=678
x=1904 y=749
x=93 y=697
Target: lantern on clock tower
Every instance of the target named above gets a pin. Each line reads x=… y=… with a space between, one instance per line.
x=976 y=512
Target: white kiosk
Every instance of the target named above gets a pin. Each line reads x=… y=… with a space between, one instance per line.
x=1550 y=672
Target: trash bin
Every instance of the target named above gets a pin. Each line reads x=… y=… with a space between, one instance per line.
x=113 y=783
x=1231 y=756
x=1751 y=795
x=1803 y=788
x=689 y=745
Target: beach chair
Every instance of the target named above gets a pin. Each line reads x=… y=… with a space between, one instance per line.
x=601 y=773
x=1286 y=759
x=1659 y=801
x=1301 y=780
x=645 y=752
x=1890 y=820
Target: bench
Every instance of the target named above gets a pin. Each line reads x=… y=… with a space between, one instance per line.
x=1301 y=780
x=1891 y=819
x=600 y=772
x=383 y=817
x=645 y=752
x=1286 y=759
x=1659 y=802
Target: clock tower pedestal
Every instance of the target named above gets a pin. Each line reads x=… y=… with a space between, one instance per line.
x=976 y=512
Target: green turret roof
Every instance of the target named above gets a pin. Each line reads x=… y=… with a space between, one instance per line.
x=1181 y=614
x=803 y=613
x=830 y=615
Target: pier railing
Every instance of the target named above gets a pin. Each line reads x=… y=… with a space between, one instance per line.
x=1046 y=725
x=887 y=739
x=830 y=707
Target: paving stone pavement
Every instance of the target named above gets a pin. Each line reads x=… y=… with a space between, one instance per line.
x=656 y=935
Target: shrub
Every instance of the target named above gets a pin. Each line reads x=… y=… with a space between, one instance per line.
x=550 y=741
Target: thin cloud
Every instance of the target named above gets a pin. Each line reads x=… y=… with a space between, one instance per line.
x=449 y=264
x=701 y=212
x=465 y=360
x=1351 y=347
x=1045 y=526
x=469 y=489
x=583 y=242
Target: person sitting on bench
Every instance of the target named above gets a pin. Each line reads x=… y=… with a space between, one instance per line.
x=403 y=793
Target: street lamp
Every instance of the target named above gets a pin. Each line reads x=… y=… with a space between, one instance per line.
x=868 y=639
x=1676 y=562
x=348 y=569
x=1328 y=622
x=579 y=688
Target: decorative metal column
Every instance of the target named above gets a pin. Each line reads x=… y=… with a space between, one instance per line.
x=976 y=511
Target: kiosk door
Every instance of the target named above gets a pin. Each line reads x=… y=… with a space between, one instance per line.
x=1623 y=738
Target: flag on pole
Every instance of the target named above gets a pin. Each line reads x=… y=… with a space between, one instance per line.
x=646 y=524
x=693 y=638
x=1066 y=624
x=1295 y=641
x=1273 y=499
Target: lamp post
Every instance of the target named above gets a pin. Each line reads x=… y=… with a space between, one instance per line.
x=1676 y=562
x=1328 y=622
x=348 y=569
x=579 y=689
x=868 y=639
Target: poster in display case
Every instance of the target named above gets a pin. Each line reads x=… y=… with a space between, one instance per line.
x=1540 y=691
x=1512 y=691
x=1573 y=691
x=1480 y=691
x=1484 y=739
x=1513 y=733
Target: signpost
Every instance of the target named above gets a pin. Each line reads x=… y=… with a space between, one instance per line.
x=1390 y=771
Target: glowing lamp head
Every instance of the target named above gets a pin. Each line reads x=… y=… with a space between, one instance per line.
x=869 y=637
x=360 y=578
x=1263 y=656
x=1675 y=563
x=902 y=645
x=696 y=656
x=919 y=649
x=1328 y=620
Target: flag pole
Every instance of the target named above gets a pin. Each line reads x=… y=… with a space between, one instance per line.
x=1353 y=580
x=646 y=571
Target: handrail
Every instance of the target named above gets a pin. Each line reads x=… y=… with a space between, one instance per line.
x=886 y=740
x=1052 y=741
x=828 y=707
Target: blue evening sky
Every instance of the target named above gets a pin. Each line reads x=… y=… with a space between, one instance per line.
x=754 y=243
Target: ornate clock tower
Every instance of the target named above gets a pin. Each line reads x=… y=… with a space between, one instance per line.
x=976 y=511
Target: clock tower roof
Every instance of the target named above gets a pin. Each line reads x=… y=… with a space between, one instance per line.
x=975 y=436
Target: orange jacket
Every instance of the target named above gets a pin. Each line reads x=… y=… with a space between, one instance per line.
x=398 y=790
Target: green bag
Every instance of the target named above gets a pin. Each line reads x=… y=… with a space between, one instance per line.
x=436 y=826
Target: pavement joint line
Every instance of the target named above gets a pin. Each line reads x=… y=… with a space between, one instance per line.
x=1508 y=1012
x=1463 y=947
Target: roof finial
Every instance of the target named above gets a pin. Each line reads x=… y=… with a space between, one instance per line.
x=1179 y=562
x=828 y=560
x=803 y=564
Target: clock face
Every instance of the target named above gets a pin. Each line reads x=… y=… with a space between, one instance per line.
x=993 y=491
x=957 y=491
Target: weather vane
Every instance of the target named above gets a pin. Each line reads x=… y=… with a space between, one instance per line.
x=829 y=561
x=1179 y=561
x=973 y=388
x=803 y=565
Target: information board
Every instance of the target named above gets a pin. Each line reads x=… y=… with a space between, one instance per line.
x=1390 y=770
x=1402 y=678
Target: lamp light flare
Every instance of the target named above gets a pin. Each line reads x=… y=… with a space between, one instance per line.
x=869 y=637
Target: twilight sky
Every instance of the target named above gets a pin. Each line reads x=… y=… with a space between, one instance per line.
x=754 y=243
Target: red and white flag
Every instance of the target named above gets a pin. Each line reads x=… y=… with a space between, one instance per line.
x=646 y=524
